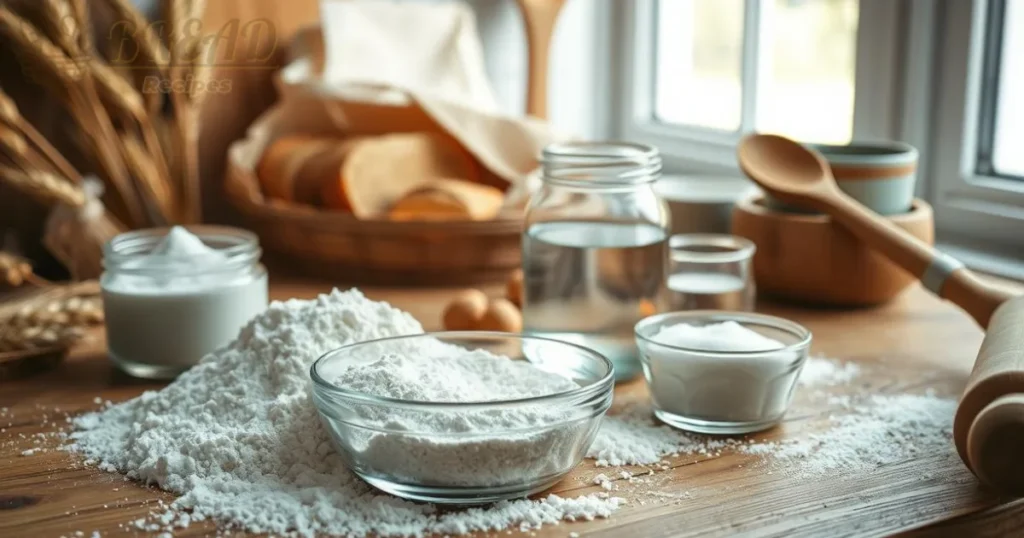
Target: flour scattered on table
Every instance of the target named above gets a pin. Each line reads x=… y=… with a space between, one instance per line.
x=827 y=372
x=882 y=430
x=239 y=440
x=631 y=436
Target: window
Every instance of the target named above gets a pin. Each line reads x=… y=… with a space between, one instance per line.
x=693 y=76
x=1002 y=135
x=782 y=66
x=975 y=171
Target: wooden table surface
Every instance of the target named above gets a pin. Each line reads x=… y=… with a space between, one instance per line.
x=914 y=343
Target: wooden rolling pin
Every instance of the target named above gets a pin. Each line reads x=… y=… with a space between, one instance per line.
x=989 y=425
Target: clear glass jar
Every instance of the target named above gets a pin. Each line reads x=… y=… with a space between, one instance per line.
x=166 y=311
x=710 y=272
x=594 y=248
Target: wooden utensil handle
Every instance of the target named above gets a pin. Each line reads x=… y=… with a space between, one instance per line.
x=940 y=273
x=539 y=18
x=989 y=424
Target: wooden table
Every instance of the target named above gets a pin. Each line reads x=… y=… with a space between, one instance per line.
x=914 y=343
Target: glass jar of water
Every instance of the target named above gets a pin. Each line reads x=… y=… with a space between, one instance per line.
x=594 y=247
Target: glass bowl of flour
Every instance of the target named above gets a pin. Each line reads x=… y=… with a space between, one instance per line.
x=462 y=417
x=721 y=372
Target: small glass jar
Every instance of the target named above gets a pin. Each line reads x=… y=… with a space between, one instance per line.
x=710 y=272
x=164 y=313
x=594 y=248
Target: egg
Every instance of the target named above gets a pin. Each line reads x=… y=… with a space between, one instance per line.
x=465 y=311
x=514 y=288
x=501 y=315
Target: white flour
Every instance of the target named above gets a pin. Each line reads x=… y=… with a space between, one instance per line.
x=239 y=440
x=701 y=383
x=828 y=373
x=883 y=429
x=492 y=448
x=880 y=430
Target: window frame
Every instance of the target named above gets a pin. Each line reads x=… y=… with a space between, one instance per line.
x=918 y=74
x=695 y=148
x=971 y=208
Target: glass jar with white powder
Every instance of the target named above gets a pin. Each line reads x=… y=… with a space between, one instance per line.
x=171 y=296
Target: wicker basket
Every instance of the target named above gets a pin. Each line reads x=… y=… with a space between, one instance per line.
x=339 y=246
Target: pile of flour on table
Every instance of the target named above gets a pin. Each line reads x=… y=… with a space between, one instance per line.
x=239 y=439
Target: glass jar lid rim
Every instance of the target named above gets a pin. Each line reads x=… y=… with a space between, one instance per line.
x=600 y=164
x=731 y=248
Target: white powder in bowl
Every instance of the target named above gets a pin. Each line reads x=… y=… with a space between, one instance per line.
x=238 y=437
x=459 y=447
x=715 y=387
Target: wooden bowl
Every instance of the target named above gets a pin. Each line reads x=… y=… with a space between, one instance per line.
x=810 y=259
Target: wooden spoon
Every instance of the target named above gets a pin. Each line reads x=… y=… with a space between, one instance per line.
x=988 y=428
x=798 y=175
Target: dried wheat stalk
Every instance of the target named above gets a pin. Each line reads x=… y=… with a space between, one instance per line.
x=150 y=46
x=175 y=12
x=10 y=115
x=54 y=318
x=120 y=94
x=67 y=79
x=39 y=337
x=143 y=167
x=18 y=150
x=192 y=59
x=47 y=188
x=83 y=19
x=60 y=25
x=41 y=51
x=151 y=49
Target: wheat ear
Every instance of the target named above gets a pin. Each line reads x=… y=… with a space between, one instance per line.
x=19 y=151
x=41 y=50
x=147 y=39
x=68 y=79
x=45 y=187
x=148 y=42
x=10 y=115
x=60 y=25
x=175 y=13
x=83 y=20
x=121 y=94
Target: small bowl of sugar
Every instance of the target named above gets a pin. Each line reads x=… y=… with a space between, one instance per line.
x=720 y=372
x=462 y=417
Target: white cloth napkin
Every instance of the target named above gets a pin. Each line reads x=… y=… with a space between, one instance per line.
x=430 y=49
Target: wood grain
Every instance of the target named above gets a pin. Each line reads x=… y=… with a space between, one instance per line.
x=917 y=342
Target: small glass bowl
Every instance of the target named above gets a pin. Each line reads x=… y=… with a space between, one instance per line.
x=722 y=392
x=475 y=459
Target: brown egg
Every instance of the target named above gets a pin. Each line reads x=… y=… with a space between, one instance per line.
x=514 y=288
x=465 y=311
x=501 y=315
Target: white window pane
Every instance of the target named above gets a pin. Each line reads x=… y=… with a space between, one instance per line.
x=1007 y=157
x=699 y=61
x=806 y=76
